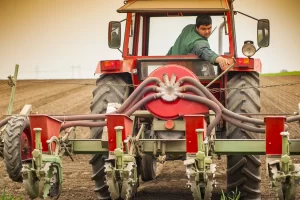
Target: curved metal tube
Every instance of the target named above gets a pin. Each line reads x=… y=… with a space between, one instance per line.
x=103 y=123
x=210 y=96
x=226 y=112
x=137 y=91
x=242 y=118
x=191 y=88
x=57 y=145
x=141 y=94
x=79 y=117
x=140 y=91
x=293 y=118
x=142 y=102
x=134 y=98
x=201 y=87
x=220 y=46
x=243 y=126
x=135 y=101
x=83 y=124
x=207 y=102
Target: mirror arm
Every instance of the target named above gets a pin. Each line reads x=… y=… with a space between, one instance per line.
x=257 y=49
x=225 y=25
x=212 y=31
x=246 y=15
x=126 y=18
x=120 y=50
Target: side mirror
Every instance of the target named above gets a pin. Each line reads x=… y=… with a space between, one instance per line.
x=114 y=35
x=263 y=33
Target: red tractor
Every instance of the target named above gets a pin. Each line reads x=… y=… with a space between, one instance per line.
x=149 y=107
x=119 y=78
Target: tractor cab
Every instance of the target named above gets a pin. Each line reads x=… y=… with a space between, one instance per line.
x=153 y=26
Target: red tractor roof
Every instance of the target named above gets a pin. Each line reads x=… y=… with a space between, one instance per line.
x=142 y=6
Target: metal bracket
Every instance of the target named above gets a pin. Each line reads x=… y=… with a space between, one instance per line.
x=124 y=170
x=43 y=173
x=11 y=81
x=284 y=175
x=200 y=170
x=26 y=110
x=299 y=112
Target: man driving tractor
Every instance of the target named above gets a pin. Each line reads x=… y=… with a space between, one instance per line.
x=193 y=39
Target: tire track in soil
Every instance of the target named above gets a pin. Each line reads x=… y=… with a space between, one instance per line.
x=34 y=88
x=31 y=93
x=171 y=182
x=46 y=95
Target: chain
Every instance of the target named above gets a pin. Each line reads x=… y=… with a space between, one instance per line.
x=128 y=85
x=215 y=90
x=212 y=90
x=86 y=84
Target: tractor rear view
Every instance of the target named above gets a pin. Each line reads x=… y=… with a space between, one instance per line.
x=141 y=59
x=149 y=107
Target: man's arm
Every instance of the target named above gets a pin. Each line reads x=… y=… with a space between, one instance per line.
x=202 y=49
x=169 y=52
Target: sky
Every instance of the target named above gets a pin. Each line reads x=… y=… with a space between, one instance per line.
x=52 y=39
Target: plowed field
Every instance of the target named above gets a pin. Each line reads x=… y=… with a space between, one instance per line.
x=74 y=97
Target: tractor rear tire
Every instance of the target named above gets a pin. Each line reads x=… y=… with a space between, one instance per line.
x=148 y=167
x=12 y=146
x=243 y=171
x=111 y=89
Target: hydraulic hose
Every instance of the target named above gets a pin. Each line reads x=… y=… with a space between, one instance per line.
x=79 y=117
x=141 y=94
x=103 y=123
x=135 y=101
x=137 y=91
x=227 y=115
x=243 y=126
x=210 y=96
x=207 y=102
x=83 y=124
x=293 y=118
x=142 y=102
x=191 y=88
x=136 y=95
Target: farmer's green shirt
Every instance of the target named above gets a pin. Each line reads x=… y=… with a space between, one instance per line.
x=189 y=41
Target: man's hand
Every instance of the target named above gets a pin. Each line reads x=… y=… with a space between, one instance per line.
x=223 y=62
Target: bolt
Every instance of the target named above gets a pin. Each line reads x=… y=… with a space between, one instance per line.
x=284 y=133
x=199 y=130
x=119 y=128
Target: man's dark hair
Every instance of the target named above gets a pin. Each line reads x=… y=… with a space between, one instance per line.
x=203 y=20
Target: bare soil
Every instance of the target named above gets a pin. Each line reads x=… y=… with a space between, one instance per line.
x=74 y=97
